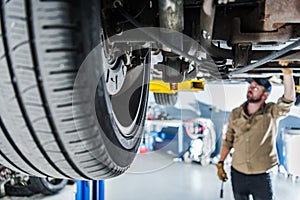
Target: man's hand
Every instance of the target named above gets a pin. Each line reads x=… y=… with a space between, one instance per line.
x=221 y=172
x=287 y=71
x=289 y=84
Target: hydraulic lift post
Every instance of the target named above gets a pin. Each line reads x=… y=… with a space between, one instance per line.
x=90 y=190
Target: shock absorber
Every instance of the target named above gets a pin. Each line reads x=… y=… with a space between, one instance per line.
x=171 y=19
x=171 y=14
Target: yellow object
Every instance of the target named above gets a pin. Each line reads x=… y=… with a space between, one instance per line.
x=297 y=88
x=284 y=63
x=287 y=71
x=159 y=86
x=221 y=172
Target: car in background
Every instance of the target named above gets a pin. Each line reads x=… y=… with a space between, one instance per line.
x=15 y=184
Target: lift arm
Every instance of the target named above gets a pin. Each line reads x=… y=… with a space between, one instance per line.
x=159 y=86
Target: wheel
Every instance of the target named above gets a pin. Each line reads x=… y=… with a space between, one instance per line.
x=46 y=186
x=165 y=99
x=49 y=125
x=18 y=190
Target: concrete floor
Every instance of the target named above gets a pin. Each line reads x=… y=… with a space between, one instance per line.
x=174 y=180
x=159 y=175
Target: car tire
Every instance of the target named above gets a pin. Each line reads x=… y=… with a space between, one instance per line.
x=18 y=190
x=45 y=130
x=46 y=186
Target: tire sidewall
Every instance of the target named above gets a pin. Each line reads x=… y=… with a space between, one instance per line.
x=118 y=152
x=42 y=185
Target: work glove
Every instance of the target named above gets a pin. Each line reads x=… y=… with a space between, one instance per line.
x=221 y=172
x=287 y=71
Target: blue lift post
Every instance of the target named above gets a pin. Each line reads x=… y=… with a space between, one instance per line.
x=90 y=190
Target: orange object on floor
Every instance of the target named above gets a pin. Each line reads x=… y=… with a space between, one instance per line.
x=143 y=149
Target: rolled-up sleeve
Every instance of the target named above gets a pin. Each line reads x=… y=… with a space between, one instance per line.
x=228 y=141
x=282 y=107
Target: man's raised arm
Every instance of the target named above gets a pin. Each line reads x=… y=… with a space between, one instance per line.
x=289 y=84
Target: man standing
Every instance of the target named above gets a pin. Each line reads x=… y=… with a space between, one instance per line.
x=252 y=133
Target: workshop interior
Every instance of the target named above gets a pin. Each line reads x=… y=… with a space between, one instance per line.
x=126 y=99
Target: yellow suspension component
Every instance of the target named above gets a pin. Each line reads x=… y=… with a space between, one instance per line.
x=159 y=86
x=297 y=88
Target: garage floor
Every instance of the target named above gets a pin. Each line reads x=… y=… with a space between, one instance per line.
x=159 y=176
x=178 y=180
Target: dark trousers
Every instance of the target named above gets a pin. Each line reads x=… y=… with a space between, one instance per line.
x=258 y=185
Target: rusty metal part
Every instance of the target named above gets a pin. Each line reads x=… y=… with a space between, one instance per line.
x=281 y=36
x=267 y=59
x=173 y=86
x=242 y=53
x=280 y=12
x=171 y=14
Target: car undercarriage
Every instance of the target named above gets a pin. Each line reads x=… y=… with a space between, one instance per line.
x=74 y=76
x=233 y=33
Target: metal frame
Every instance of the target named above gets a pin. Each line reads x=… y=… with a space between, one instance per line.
x=159 y=86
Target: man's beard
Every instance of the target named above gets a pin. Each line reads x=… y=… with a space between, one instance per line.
x=254 y=100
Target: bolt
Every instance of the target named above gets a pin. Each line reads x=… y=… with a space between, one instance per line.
x=205 y=35
x=118 y=29
x=173 y=86
x=117 y=3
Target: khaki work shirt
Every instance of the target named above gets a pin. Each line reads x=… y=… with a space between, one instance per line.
x=254 y=137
